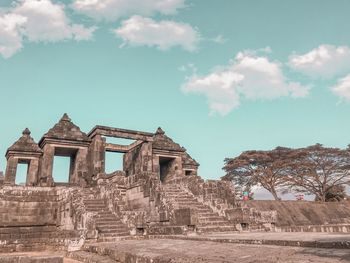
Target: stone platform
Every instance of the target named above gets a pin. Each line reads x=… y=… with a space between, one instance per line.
x=213 y=248
x=185 y=251
x=294 y=239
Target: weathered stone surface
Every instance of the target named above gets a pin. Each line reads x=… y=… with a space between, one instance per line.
x=65 y=129
x=186 y=251
x=304 y=213
x=158 y=192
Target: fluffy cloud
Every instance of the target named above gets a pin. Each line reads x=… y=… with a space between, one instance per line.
x=115 y=9
x=342 y=89
x=141 y=31
x=325 y=61
x=38 y=21
x=48 y=22
x=10 y=38
x=249 y=76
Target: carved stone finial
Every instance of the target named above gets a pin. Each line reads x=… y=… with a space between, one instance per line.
x=160 y=131
x=26 y=132
x=65 y=117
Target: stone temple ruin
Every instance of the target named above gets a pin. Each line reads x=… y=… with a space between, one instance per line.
x=157 y=192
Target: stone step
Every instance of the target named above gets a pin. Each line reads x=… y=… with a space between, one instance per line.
x=185 y=199
x=119 y=234
x=107 y=219
x=110 y=223
x=213 y=229
x=95 y=209
x=189 y=204
x=175 y=192
x=93 y=201
x=95 y=205
x=211 y=219
x=113 y=231
x=204 y=210
x=214 y=223
x=206 y=214
x=116 y=227
x=89 y=257
x=105 y=214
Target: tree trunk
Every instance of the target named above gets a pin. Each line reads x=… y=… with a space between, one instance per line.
x=274 y=194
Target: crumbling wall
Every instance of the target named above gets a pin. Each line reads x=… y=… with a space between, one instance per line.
x=138 y=160
x=2 y=178
x=28 y=206
x=73 y=215
x=112 y=188
x=219 y=195
x=304 y=213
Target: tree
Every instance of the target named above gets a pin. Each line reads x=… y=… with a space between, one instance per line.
x=318 y=170
x=265 y=168
x=335 y=194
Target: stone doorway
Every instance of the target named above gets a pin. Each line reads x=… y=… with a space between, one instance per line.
x=166 y=168
x=64 y=165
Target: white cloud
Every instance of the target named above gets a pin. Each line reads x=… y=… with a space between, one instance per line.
x=248 y=76
x=10 y=38
x=325 y=61
x=38 y=21
x=114 y=9
x=141 y=31
x=219 y=39
x=81 y=32
x=48 y=22
x=342 y=89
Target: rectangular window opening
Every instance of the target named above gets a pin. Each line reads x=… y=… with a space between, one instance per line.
x=114 y=162
x=61 y=169
x=21 y=174
x=120 y=141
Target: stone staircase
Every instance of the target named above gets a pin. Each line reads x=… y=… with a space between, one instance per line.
x=208 y=220
x=90 y=257
x=107 y=224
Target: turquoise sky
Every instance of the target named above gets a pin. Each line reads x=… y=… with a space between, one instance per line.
x=101 y=81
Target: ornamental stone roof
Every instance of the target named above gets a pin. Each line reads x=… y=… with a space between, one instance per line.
x=65 y=129
x=25 y=144
x=188 y=160
x=163 y=142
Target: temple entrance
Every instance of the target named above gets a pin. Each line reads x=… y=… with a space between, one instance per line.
x=61 y=169
x=63 y=165
x=166 y=168
x=113 y=162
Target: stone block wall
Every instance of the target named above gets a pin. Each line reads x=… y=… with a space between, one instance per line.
x=304 y=213
x=28 y=206
x=219 y=195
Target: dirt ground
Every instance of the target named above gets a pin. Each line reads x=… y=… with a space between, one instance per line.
x=185 y=251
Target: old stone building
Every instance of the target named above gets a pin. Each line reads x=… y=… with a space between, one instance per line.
x=158 y=191
x=150 y=152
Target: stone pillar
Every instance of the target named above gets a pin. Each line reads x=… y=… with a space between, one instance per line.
x=11 y=170
x=146 y=151
x=156 y=164
x=179 y=172
x=97 y=155
x=80 y=171
x=47 y=166
x=33 y=172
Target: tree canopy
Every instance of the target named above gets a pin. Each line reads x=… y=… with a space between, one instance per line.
x=265 y=168
x=314 y=170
